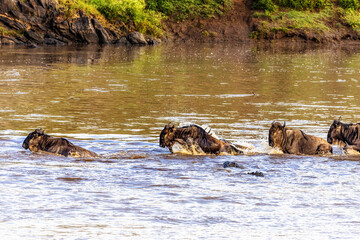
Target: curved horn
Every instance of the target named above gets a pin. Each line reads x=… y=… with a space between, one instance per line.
x=284 y=124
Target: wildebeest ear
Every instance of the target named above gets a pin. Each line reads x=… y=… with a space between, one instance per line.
x=39 y=131
x=170 y=126
x=336 y=122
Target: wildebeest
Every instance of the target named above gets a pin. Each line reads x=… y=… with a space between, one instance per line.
x=38 y=141
x=294 y=141
x=344 y=135
x=196 y=140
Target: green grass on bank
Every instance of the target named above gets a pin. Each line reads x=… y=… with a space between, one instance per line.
x=132 y=13
x=321 y=17
x=181 y=10
x=146 y=15
x=272 y=16
x=6 y=32
x=352 y=18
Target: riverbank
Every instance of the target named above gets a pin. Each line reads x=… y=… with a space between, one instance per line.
x=57 y=22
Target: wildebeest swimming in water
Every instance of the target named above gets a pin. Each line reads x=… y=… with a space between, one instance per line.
x=194 y=139
x=294 y=141
x=38 y=141
x=345 y=135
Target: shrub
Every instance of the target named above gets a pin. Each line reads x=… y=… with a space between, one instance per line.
x=6 y=32
x=302 y=4
x=293 y=4
x=189 y=9
x=349 y=4
x=352 y=18
x=124 y=11
x=267 y=5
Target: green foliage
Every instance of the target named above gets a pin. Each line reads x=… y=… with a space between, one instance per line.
x=129 y=12
x=302 y=4
x=189 y=9
x=71 y=7
x=352 y=18
x=6 y=32
x=266 y=5
x=308 y=20
x=145 y=15
x=293 y=4
x=293 y=20
x=349 y=4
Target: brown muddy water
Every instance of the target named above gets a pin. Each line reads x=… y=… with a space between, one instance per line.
x=116 y=100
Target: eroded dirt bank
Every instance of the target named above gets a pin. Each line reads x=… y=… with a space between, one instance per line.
x=235 y=25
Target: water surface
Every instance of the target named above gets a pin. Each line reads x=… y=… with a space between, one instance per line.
x=115 y=100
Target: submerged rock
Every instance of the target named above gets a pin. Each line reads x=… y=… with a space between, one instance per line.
x=257 y=173
x=136 y=38
x=34 y=36
x=229 y=164
x=53 y=42
x=122 y=40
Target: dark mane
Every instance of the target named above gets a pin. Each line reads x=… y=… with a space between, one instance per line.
x=350 y=133
x=195 y=136
x=344 y=133
x=193 y=131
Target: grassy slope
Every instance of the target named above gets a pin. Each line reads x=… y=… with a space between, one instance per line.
x=331 y=22
x=145 y=16
x=318 y=20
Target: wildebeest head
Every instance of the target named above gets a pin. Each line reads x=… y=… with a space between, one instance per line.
x=334 y=134
x=167 y=135
x=276 y=133
x=33 y=135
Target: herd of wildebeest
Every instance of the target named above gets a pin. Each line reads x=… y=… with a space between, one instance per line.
x=195 y=139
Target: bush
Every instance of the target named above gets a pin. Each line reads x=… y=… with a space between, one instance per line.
x=293 y=4
x=124 y=11
x=352 y=18
x=302 y=4
x=6 y=32
x=349 y=4
x=267 y=5
x=189 y=9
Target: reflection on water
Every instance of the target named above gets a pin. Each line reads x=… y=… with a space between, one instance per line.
x=115 y=100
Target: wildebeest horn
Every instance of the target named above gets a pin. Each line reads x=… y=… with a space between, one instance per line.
x=272 y=124
x=169 y=125
x=284 y=124
x=339 y=119
x=40 y=131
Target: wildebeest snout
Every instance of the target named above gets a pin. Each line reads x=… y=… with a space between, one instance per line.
x=25 y=145
x=162 y=143
x=27 y=141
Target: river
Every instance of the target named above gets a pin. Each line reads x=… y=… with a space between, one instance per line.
x=115 y=100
